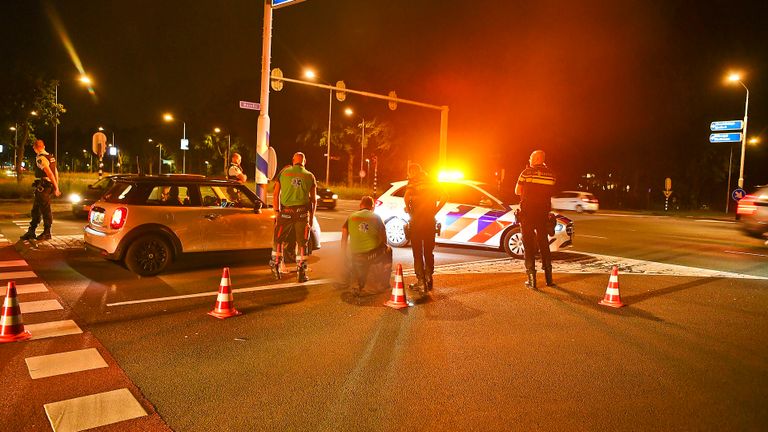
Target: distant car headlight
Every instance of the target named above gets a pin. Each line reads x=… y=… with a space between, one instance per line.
x=75 y=198
x=559 y=227
x=334 y=196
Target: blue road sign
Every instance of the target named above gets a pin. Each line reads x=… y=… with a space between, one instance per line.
x=725 y=137
x=280 y=3
x=730 y=125
x=738 y=194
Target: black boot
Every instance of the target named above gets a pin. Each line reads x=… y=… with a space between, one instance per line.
x=301 y=271
x=45 y=235
x=428 y=283
x=548 y=276
x=419 y=286
x=531 y=282
x=29 y=235
x=274 y=265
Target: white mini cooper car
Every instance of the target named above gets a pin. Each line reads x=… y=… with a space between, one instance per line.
x=148 y=221
x=472 y=216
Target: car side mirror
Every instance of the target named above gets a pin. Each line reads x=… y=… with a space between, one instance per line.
x=257 y=207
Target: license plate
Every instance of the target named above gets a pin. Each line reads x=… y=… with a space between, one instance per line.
x=97 y=218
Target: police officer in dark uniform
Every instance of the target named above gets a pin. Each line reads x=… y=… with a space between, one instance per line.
x=46 y=183
x=423 y=199
x=535 y=186
x=294 y=200
x=235 y=171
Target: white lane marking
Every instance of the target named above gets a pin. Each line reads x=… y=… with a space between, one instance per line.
x=745 y=253
x=20 y=221
x=64 y=363
x=216 y=293
x=593 y=236
x=330 y=236
x=93 y=411
x=52 y=329
x=13 y=263
x=30 y=288
x=325 y=217
x=17 y=275
x=714 y=221
x=587 y=264
x=40 y=306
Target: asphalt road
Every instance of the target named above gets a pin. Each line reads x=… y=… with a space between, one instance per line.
x=480 y=353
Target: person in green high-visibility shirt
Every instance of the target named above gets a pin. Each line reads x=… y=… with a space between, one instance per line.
x=364 y=244
x=294 y=200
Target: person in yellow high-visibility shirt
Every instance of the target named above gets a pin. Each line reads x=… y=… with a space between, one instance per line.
x=364 y=244
x=294 y=200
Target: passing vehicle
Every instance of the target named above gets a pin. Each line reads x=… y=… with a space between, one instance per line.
x=473 y=216
x=326 y=198
x=577 y=201
x=752 y=211
x=147 y=222
x=81 y=203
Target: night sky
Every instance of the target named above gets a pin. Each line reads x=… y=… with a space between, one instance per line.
x=621 y=87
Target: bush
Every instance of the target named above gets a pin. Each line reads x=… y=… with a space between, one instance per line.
x=68 y=183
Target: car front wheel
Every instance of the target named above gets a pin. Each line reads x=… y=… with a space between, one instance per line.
x=148 y=255
x=513 y=243
x=396 y=236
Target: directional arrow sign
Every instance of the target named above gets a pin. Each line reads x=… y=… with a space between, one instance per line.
x=726 y=125
x=724 y=137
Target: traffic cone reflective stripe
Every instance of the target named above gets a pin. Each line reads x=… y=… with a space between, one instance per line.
x=11 y=325
x=398 y=300
x=224 y=300
x=612 y=297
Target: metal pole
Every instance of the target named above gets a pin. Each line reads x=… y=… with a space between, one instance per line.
x=328 y=140
x=184 y=154
x=744 y=138
x=728 y=189
x=229 y=150
x=443 y=135
x=262 y=137
x=159 y=159
x=56 y=127
x=362 y=152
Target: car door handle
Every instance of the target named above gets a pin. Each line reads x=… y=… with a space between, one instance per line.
x=212 y=216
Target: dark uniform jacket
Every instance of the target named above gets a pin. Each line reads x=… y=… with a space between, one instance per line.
x=423 y=195
x=538 y=185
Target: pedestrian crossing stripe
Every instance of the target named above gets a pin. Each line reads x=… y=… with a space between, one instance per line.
x=92 y=411
x=587 y=263
x=64 y=363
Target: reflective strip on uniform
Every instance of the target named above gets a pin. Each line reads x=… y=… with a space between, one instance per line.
x=543 y=180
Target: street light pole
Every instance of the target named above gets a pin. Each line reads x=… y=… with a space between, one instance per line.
x=184 y=154
x=728 y=189
x=744 y=137
x=56 y=127
x=328 y=141
x=362 y=153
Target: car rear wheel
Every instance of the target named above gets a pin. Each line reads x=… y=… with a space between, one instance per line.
x=396 y=236
x=512 y=243
x=148 y=255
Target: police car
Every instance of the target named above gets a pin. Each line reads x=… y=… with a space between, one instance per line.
x=472 y=216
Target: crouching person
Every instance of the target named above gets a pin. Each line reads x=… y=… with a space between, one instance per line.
x=364 y=245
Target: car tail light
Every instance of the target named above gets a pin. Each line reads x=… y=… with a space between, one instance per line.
x=379 y=203
x=118 y=218
x=747 y=205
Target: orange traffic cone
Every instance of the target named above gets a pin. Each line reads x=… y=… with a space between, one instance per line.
x=612 y=297
x=398 y=300
x=11 y=326
x=224 y=304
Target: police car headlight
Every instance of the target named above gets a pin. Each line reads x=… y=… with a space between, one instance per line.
x=559 y=227
x=75 y=198
x=334 y=196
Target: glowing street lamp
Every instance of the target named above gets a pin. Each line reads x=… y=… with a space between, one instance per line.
x=734 y=77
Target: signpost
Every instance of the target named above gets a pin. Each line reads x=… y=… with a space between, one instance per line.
x=725 y=137
x=730 y=125
x=99 y=148
x=250 y=105
x=667 y=192
x=738 y=194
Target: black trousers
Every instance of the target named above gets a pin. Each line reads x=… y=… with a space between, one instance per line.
x=534 y=228
x=377 y=262
x=292 y=227
x=423 y=248
x=41 y=208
